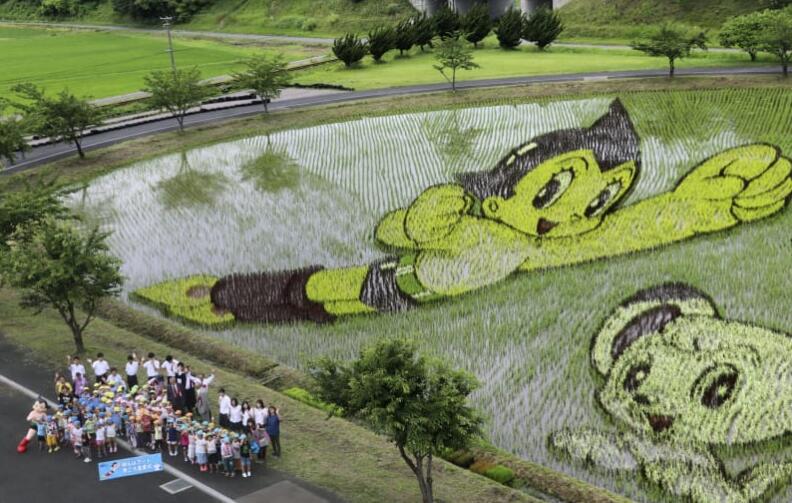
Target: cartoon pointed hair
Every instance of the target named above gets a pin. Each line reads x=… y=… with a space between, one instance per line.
x=612 y=138
x=646 y=313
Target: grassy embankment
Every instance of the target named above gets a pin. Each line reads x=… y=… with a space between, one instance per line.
x=100 y=64
x=619 y=21
x=293 y=17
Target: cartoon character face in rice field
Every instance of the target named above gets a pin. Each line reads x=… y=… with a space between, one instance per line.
x=680 y=380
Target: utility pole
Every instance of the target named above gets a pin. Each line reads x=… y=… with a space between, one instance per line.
x=166 y=23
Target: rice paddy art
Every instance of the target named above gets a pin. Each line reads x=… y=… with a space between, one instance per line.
x=679 y=379
x=298 y=198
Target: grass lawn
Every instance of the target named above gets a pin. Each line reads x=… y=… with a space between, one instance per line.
x=495 y=62
x=99 y=64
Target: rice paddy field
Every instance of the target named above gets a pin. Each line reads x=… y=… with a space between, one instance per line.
x=313 y=196
x=101 y=63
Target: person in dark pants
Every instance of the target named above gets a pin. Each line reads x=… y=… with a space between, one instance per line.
x=224 y=408
x=273 y=430
x=131 y=369
x=175 y=394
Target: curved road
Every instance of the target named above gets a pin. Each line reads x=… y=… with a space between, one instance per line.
x=49 y=153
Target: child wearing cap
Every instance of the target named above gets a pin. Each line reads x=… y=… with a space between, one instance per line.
x=173 y=438
x=213 y=456
x=99 y=432
x=41 y=433
x=52 y=434
x=110 y=434
x=227 y=454
x=201 y=457
x=244 y=455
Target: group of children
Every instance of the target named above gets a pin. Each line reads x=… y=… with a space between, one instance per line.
x=91 y=420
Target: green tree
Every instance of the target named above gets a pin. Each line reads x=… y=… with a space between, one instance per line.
x=543 y=27
x=57 y=266
x=744 y=32
x=446 y=22
x=672 y=42
x=350 y=49
x=404 y=36
x=419 y=405
x=381 y=40
x=266 y=75
x=776 y=36
x=65 y=116
x=12 y=138
x=453 y=54
x=423 y=31
x=509 y=29
x=24 y=207
x=477 y=23
x=176 y=91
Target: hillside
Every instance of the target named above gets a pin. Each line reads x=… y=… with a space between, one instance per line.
x=292 y=17
x=623 y=19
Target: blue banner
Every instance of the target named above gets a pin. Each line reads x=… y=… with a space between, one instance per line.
x=127 y=467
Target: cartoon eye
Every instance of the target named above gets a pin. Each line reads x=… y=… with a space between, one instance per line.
x=716 y=385
x=600 y=202
x=636 y=376
x=553 y=189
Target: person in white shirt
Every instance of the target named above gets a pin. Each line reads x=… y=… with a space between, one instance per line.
x=131 y=370
x=100 y=367
x=75 y=366
x=235 y=416
x=260 y=413
x=115 y=379
x=170 y=364
x=224 y=407
x=152 y=366
x=202 y=397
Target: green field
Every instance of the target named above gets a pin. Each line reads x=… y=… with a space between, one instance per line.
x=528 y=337
x=495 y=62
x=101 y=64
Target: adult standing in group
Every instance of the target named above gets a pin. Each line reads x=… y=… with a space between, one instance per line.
x=131 y=370
x=188 y=382
x=202 y=397
x=152 y=366
x=224 y=407
x=170 y=365
x=175 y=394
x=75 y=366
x=273 y=422
x=100 y=367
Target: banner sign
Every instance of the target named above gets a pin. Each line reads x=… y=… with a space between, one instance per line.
x=127 y=467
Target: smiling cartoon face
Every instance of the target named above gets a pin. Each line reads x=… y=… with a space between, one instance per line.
x=685 y=376
x=564 y=196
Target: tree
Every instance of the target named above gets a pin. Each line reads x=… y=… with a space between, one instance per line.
x=65 y=116
x=350 y=49
x=24 y=207
x=58 y=266
x=176 y=91
x=267 y=76
x=477 y=23
x=453 y=54
x=12 y=139
x=381 y=40
x=744 y=32
x=423 y=31
x=543 y=27
x=671 y=42
x=404 y=36
x=776 y=36
x=509 y=29
x=446 y=22
x=420 y=406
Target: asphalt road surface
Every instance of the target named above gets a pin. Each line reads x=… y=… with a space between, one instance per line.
x=49 y=153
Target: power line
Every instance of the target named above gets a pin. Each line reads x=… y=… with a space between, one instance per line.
x=166 y=23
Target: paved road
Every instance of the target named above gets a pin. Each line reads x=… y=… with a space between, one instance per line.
x=49 y=153
x=40 y=477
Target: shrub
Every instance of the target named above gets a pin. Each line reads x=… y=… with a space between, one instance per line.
x=305 y=396
x=500 y=474
x=480 y=466
x=476 y=24
x=393 y=9
x=446 y=22
x=461 y=458
x=309 y=24
x=332 y=19
x=509 y=29
x=57 y=8
x=404 y=36
x=543 y=27
x=350 y=49
x=423 y=30
x=381 y=40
